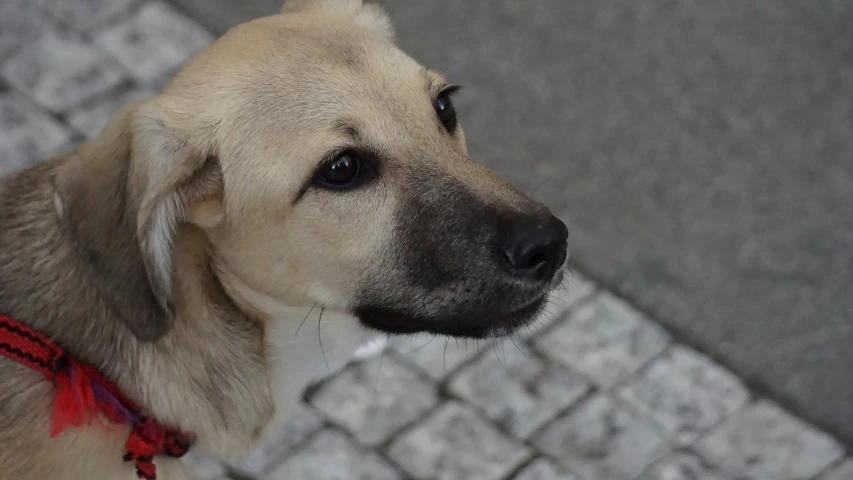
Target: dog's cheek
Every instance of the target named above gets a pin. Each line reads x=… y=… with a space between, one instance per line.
x=337 y=244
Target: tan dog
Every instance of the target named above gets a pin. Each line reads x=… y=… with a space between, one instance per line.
x=301 y=161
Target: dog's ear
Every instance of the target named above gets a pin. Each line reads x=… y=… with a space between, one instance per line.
x=176 y=182
x=366 y=14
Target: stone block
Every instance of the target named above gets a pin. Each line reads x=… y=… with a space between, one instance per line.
x=763 y=441
x=92 y=117
x=684 y=392
x=154 y=42
x=455 y=443
x=376 y=398
x=682 y=466
x=61 y=71
x=21 y=24
x=27 y=134
x=85 y=15
x=605 y=339
x=542 y=469
x=601 y=439
x=517 y=389
x=330 y=455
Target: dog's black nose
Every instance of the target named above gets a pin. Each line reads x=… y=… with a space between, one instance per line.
x=533 y=248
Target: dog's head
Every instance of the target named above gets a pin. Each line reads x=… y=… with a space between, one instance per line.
x=327 y=167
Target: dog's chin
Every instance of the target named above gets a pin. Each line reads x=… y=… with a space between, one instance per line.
x=468 y=326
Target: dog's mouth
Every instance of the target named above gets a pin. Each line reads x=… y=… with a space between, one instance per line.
x=469 y=326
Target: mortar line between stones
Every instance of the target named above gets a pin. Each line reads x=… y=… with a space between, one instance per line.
x=829 y=468
x=523 y=465
x=376 y=450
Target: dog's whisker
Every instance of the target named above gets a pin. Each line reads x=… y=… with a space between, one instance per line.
x=479 y=354
x=422 y=346
x=320 y=339
x=518 y=347
x=303 y=320
x=538 y=186
x=498 y=355
x=379 y=368
x=444 y=359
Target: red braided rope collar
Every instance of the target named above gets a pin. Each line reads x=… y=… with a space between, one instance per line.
x=81 y=391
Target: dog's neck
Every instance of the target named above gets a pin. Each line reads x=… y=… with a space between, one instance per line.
x=304 y=344
x=70 y=267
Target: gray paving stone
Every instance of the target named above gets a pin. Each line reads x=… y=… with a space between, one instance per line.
x=843 y=471
x=84 y=15
x=762 y=441
x=435 y=356
x=200 y=467
x=517 y=390
x=682 y=466
x=27 y=134
x=601 y=439
x=92 y=117
x=154 y=42
x=20 y=24
x=576 y=288
x=684 y=392
x=605 y=339
x=60 y=71
x=542 y=469
x=375 y=399
x=298 y=427
x=330 y=455
x=455 y=443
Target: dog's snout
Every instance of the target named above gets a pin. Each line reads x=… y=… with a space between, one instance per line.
x=533 y=248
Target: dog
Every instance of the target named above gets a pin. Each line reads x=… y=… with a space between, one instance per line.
x=302 y=162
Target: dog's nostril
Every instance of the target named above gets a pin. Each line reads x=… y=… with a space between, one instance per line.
x=537 y=258
x=534 y=249
x=527 y=253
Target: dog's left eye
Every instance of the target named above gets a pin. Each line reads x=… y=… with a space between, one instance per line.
x=445 y=110
x=342 y=171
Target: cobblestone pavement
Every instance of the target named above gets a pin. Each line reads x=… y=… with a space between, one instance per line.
x=596 y=392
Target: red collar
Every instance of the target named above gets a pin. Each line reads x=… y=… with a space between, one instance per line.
x=82 y=391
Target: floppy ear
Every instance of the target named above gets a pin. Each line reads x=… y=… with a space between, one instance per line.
x=367 y=15
x=176 y=182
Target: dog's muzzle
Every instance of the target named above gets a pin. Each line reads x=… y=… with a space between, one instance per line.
x=504 y=287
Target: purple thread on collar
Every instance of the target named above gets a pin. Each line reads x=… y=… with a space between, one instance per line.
x=102 y=395
x=72 y=373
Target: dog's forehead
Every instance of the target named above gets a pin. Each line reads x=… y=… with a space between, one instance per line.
x=320 y=72
x=323 y=81
x=330 y=48
x=363 y=74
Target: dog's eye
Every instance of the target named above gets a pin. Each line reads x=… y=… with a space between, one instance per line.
x=341 y=171
x=446 y=112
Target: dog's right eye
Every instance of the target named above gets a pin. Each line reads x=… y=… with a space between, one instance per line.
x=343 y=171
x=444 y=108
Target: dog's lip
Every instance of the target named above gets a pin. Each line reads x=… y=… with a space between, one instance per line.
x=505 y=324
x=494 y=327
